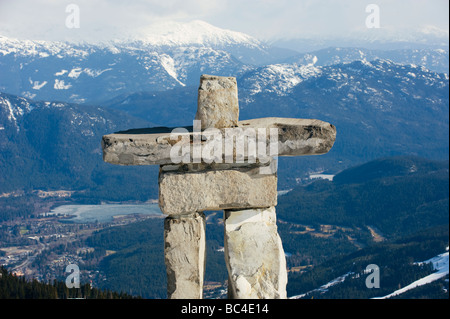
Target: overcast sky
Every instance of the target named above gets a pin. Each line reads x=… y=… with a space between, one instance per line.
x=264 y=19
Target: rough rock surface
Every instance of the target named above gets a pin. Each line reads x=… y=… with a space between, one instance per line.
x=181 y=193
x=296 y=137
x=254 y=255
x=218 y=104
x=184 y=251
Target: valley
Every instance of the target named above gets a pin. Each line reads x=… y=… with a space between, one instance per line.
x=41 y=246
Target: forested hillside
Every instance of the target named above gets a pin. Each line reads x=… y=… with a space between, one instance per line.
x=396 y=260
x=398 y=196
x=13 y=287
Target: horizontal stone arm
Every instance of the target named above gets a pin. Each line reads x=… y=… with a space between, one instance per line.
x=295 y=137
x=298 y=137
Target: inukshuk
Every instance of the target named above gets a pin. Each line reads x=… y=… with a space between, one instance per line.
x=221 y=163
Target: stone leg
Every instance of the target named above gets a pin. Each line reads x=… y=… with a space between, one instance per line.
x=254 y=255
x=184 y=250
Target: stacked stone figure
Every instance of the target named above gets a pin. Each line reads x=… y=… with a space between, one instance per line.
x=244 y=186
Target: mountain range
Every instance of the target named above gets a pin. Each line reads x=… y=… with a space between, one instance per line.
x=55 y=145
x=383 y=103
x=380 y=108
x=57 y=99
x=84 y=73
x=170 y=56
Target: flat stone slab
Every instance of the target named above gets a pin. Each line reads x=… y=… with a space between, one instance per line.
x=153 y=146
x=185 y=192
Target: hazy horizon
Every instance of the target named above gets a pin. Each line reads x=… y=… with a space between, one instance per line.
x=266 y=20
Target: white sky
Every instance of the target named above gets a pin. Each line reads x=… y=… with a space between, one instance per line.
x=263 y=19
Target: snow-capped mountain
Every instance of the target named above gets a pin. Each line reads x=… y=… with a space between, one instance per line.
x=167 y=56
x=196 y=32
x=384 y=38
x=16 y=114
x=386 y=100
x=360 y=77
x=155 y=58
x=277 y=78
x=163 y=34
x=54 y=144
x=381 y=100
x=380 y=108
x=433 y=59
x=88 y=73
x=84 y=73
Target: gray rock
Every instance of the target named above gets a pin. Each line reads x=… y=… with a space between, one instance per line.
x=184 y=251
x=295 y=137
x=254 y=255
x=218 y=104
x=181 y=193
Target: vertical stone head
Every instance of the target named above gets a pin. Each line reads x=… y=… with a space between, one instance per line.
x=218 y=105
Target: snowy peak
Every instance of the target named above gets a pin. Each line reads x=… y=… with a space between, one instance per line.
x=167 y=33
x=171 y=54
x=161 y=57
x=41 y=49
x=278 y=78
x=196 y=32
x=432 y=59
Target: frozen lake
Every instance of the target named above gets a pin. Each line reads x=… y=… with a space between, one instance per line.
x=103 y=213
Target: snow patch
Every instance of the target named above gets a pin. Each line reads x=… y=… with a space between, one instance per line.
x=38 y=86
x=94 y=73
x=283 y=192
x=11 y=117
x=280 y=78
x=322 y=176
x=59 y=105
x=440 y=264
x=28 y=95
x=62 y=72
x=325 y=287
x=169 y=65
x=75 y=73
x=60 y=85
